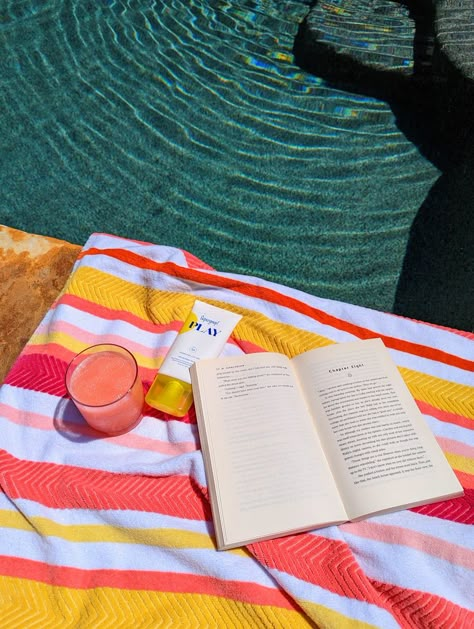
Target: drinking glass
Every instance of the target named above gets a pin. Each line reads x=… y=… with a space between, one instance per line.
x=104 y=384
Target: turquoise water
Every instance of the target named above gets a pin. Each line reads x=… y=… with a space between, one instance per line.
x=187 y=123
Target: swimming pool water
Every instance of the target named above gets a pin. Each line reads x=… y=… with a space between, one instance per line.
x=189 y=124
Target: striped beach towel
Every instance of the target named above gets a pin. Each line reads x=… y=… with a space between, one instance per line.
x=117 y=531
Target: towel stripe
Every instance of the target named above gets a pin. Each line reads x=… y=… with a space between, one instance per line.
x=272 y=296
x=422 y=609
x=40 y=421
x=85 y=605
x=141 y=580
x=69 y=487
x=429 y=544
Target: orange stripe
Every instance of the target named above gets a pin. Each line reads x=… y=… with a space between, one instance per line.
x=270 y=295
x=248 y=592
x=69 y=487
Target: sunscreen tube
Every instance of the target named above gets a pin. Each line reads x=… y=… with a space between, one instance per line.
x=203 y=335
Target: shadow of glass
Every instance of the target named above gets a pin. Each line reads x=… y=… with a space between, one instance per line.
x=70 y=424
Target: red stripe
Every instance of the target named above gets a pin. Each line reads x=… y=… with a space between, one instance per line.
x=270 y=295
x=31 y=354
x=422 y=609
x=59 y=352
x=68 y=487
x=43 y=368
x=459 y=509
x=39 y=372
x=327 y=563
x=466 y=480
x=445 y=416
x=246 y=592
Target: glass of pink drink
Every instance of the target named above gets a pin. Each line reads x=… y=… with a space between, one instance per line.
x=104 y=384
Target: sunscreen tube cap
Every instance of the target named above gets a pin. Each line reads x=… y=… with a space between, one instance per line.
x=170 y=395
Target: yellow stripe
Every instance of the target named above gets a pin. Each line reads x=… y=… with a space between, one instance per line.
x=27 y=603
x=443 y=394
x=461 y=463
x=164 y=538
x=330 y=618
x=165 y=306
x=162 y=307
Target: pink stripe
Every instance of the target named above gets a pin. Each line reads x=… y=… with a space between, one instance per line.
x=26 y=418
x=135 y=441
x=129 y=440
x=109 y=314
x=427 y=544
x=456 y=447
x=105 y=314
x=91 y=338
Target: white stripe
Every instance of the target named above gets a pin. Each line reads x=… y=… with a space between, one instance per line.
x=25 y=401
x=148 y=250
x=91 y=454
x=410 y=568
x=433 y=368
x=123 y=518
x=349 y=607
x=445 y=430
x=92 y=555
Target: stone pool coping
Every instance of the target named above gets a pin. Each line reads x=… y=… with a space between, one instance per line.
x=33 y=271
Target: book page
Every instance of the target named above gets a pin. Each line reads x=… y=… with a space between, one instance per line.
x=266 y=469
x=381 y=451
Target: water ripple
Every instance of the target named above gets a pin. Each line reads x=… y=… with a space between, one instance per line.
x=188 y=123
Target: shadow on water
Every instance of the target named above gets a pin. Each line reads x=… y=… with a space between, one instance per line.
x=433 y=108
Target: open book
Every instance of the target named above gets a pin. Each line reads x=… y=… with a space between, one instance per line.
x=330 y=436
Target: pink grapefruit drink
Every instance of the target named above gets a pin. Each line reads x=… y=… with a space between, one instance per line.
x=104 y=384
